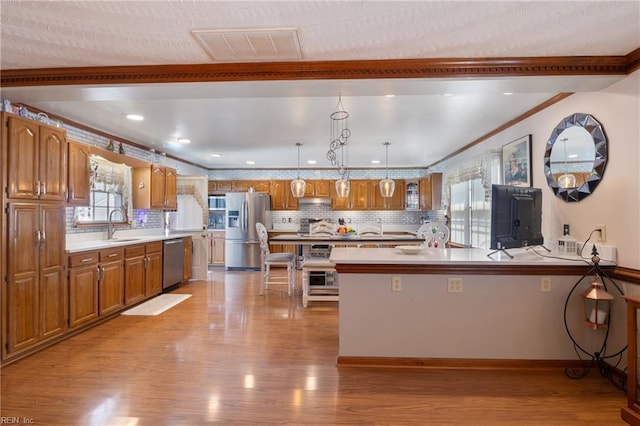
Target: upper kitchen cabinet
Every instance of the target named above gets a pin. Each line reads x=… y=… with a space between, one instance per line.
x=220 y=187
x=263 y=186
x=79 y=176
x=358 y=199
x=431 y=192
x=281 y=196
x=396 y=202
x=36 y=160
x=155 y=187
x=318 y=188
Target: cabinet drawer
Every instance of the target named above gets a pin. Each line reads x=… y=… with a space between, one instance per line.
x=83 y=259
x=154 y=247
x=110 y=255
x=134 y=251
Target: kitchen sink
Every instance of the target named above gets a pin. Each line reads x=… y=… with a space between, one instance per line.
x=120 y=240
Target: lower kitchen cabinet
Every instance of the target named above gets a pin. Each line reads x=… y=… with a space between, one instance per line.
x=216 y=247
x=83 y=288
x=35 y=308
x=153 y=268
x=111 y=282
x=134 y=274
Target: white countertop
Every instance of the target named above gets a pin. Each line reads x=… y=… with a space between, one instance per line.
x=461 y=256
x=96 y=241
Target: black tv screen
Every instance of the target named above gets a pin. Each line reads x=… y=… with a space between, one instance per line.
x=516 y=217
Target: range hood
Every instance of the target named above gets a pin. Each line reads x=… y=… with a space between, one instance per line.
x=316 y=201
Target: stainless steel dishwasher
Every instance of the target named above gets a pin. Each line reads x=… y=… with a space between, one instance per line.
x=173 y=262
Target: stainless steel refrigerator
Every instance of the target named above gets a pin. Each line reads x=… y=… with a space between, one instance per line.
x=241 y=245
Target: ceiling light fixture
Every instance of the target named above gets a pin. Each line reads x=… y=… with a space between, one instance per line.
x=298 y=186
x=387 y=186
x=216 y=155
x=135 y=117
x=337 y=154
x=250 y=162
x=184 y=140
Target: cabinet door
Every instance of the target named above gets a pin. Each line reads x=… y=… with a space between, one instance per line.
x=158 y=187
x=52 y=164
x=322 y=188
x=111 y=289
x=23 y=302
x=431 y=192
x=339 y=203
x=134 y=279
x=171 y=189
x=359 y=195
x=281 y=196
x=396 y=202
x=83 y=295
x=153 y=274
x=22 y=161
x=52 y=280
x=218 y=251
x=79 y=175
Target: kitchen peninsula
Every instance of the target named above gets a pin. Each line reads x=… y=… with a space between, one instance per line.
x=497 y=313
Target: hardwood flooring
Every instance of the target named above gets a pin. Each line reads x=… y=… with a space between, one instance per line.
x=229 y=356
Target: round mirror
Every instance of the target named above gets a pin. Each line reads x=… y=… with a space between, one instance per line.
x=575 y=157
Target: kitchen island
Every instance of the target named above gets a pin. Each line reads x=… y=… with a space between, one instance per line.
x=460 y=307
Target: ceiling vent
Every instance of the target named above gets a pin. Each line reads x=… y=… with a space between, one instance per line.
x=250 y=45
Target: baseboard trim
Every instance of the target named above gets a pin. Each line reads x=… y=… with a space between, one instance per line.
x=457 y=363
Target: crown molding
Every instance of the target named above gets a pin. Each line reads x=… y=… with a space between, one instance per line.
x=363 y=69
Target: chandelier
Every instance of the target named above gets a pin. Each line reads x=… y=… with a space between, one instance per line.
x=387 y=186
x=298 y=185
x=337 y=154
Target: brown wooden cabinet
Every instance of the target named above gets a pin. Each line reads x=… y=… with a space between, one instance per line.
x=396 y=202
x=431 y=192
x=134 y=274
x=36 y=302
x=79 y=174
x=281 y=196
x=188 y=259
x=257 y=186
x=155 y=187
x=111 y=282
x=83 y=288
x=36 y=161
x=216 y=247
x=318 y=188
x=358 y=199
x=220 y=187
x=153 y=268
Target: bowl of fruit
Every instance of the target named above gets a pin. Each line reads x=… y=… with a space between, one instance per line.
x=345 y=231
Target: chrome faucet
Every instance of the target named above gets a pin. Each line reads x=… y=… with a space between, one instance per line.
x=110 y=228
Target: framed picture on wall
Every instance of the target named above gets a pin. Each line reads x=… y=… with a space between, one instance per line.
x=516 y=162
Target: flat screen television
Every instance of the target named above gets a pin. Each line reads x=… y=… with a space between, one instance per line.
x=516 y=217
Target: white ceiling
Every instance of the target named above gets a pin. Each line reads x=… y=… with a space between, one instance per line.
x=263 y=120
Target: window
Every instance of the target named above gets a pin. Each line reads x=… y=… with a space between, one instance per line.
x=470 y=203
x=110 y=191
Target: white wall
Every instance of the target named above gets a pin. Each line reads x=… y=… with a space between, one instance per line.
x=616 y=201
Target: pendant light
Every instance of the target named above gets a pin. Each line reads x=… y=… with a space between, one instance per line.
x=387 y=186
x=298 y=185
x=567 y=180
x=337 y=154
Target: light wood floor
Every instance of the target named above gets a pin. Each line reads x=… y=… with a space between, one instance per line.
x=229 y=356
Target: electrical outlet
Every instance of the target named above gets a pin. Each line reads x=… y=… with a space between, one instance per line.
x=603 y=232
x=545 y=284
x=454 y=285
x=396 y=284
